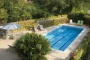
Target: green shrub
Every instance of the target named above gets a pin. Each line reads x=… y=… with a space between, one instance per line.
x=3 y=16
x=80 y=16
x=25 y=25
x=60 y=21
x=87 y=19
x=54 y=20
x=46 y=23
x=32 y=47
x=76 y=16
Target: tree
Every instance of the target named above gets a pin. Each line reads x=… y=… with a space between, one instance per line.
x=64 y=6
x=1 y=4
x=21 y=10
x=53 y=6
x=3 y=16
x=13 y=8
x=27 y=11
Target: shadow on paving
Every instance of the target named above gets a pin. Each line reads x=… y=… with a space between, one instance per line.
x=6 y=54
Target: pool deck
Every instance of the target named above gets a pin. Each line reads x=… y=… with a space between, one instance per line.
x=6 y=54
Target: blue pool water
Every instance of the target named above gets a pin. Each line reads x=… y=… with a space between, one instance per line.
x=61 y=37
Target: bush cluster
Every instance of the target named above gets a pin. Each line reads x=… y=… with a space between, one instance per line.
x=46 y=23
x=87 y=19
x=12 y=11
x=54 y=20
x=60 y=21
x=83 y=50
x=76 y=16
x=27 y=24
x=32 y=47
x=80 y=16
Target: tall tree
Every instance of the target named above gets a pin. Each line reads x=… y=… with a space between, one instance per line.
x=3 y=16
x=63 y=6
x=13 y=8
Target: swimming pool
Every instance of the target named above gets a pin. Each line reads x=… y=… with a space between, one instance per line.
x=61 y=37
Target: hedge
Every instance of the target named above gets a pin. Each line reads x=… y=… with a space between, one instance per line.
x=25 y=25
x=54 y=20
x=80 y=16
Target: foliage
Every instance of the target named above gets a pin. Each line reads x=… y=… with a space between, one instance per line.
x=60 y=20
x=54 y=20
x=64 y=6
x=39 y=13
x=87 y=19
x=13 y=8
x=27 y=11
x=83 y=50
x=79 y=6
x=46 y=23
x=53 y=6
x=3 y=16
x=80 y=16
x=76 y=16
x=26 y=25
x=16 y=10
x=32 y=47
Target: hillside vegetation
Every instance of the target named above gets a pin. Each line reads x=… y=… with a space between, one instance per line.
x=18 y=10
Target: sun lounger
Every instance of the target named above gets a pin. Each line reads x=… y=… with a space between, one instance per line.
x=81 y=23
x=35 y=29
x=78 y=23
x=41 y=27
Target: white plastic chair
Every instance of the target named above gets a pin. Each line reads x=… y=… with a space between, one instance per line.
x=71 y=22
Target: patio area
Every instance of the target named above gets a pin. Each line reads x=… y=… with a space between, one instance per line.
x=6 y=54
